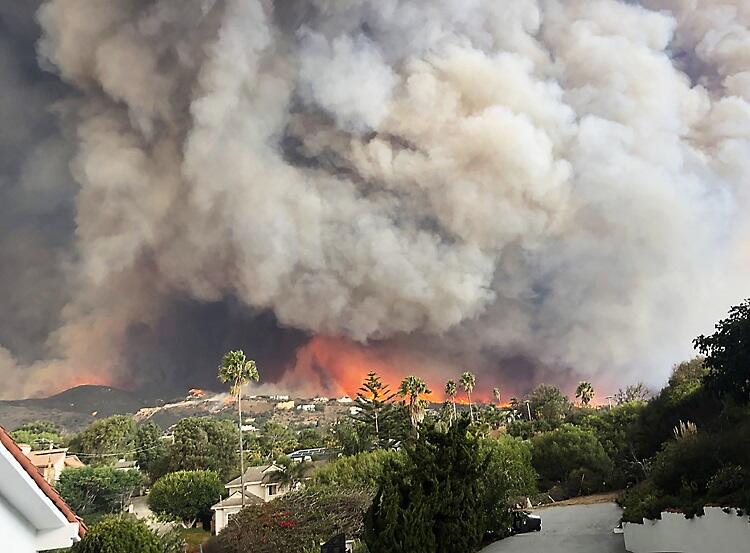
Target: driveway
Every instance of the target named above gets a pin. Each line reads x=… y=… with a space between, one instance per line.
x=571 y=529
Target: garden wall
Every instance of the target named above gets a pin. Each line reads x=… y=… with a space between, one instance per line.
x=716 y=531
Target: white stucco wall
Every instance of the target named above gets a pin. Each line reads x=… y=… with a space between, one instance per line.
x=17 y=534
x=716 y=531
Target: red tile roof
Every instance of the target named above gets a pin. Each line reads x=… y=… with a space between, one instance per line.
x=39 y=480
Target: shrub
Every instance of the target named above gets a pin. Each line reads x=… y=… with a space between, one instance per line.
x=573 y=456
x=297 y=521
x=119 y=534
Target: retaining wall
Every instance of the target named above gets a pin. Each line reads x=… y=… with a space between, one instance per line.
x=714 y=532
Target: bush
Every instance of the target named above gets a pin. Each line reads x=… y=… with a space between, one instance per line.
x=507 y=475
x=361 y=471
x=572 y=456
x=297 y=521
x=119 y=534
x=186 y=495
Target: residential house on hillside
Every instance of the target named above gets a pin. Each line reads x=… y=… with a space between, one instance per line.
x=122 y=464
x=33 y=516
x=51 y=462
x=225 y=509
x=262 y=484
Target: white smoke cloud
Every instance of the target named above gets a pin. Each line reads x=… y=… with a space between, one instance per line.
x=563 y=180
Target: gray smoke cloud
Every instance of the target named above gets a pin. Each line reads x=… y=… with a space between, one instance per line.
x=529 y=187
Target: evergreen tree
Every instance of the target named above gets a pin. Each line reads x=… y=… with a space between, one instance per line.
x=375 y=401
x=431 y=502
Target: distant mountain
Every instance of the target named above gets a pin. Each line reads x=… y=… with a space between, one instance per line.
x=73 y=409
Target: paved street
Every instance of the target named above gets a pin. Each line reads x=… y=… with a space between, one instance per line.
x=572 y=529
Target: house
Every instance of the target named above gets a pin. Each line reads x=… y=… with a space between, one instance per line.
x=307 y=407
x=321 y=400
x=122 y=464
x=306 y=454
x=285 y=405
x=33 y=516
x=279 y=398
x=354 y=410
x=263 y=482
x=345 y=399
x=225 y=509
x=51 y=462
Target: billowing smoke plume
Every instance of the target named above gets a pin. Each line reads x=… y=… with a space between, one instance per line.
x=532 y=189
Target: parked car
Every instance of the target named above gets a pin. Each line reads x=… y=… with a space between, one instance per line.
x=524 y=521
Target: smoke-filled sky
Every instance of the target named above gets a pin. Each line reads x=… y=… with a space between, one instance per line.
x=534 y=190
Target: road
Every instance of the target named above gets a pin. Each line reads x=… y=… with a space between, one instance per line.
x=571 y=529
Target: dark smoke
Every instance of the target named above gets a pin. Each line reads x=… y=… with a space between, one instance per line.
x=531 y=189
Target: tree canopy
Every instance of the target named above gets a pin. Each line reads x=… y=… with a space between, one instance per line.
x=203 y=443
x=104 y=441
x=727 y=353
x=572 y=456
x=98 y=490
x=119 y=534
x=186 y=495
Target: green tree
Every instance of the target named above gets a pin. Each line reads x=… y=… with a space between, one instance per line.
x=360 y=471
x=727 y=353
x=98 y=490
x=275 y=440
x=151 y=451
x=507 y=473
x=238 y=370
x=186 y=495
x=450 y=392
x=468 y=381
x=617 y=431
x=432 y=501
x=572 y=456
x=585 y=392
x=411 y=389
x=203 y=443
x=40 y=434
x=119 y=534
x=634 y=392
x=309 y=438
x=548 y=403
x=106 y=440
x=374 y=399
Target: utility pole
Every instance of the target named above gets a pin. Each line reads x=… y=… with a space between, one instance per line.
x=242 y=455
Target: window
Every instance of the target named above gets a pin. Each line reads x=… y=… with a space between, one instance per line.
x=272 y=489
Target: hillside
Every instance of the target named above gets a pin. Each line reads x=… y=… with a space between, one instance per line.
x=73 y=409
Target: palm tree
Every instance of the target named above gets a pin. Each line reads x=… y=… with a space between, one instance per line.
x=411 y=389
x=238 y=370
x=585 y=392
x=468 y=381
x=450 y=392
x=496 y=394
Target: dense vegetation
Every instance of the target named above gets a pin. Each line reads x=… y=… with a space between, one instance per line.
x=412 y=479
